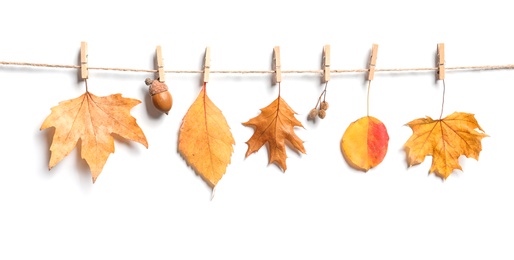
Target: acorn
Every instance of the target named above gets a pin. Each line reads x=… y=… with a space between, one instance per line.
x=161 y=97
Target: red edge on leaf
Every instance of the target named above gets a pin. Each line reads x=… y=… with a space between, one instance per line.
x=378 y=140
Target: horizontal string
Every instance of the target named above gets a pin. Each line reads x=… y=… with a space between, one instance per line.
x=485 y=67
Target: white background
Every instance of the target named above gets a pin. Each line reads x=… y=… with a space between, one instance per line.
x=148 y=204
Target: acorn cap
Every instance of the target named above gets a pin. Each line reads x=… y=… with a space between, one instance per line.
x=156 y=87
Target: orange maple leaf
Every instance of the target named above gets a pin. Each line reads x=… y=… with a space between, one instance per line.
x=275 y=125
x=364 y=143
x=445 y=140
x=205 y=140
x=92 y=119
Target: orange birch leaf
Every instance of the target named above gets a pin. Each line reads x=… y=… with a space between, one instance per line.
x=275 y=125
x=445 y=140
x=92 y=119
x=364 y=143
x=205 y=140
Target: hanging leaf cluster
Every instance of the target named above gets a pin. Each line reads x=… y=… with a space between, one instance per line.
x=206 y=143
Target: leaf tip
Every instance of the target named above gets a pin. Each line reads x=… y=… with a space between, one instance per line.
x=281 y=165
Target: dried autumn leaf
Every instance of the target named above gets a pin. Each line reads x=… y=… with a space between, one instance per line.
x=275 y=125
x=445 y=140
x=364 y=143
x=92 y=119
x=205 y=140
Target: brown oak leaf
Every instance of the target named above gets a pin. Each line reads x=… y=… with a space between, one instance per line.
x=275 y=125
x=445 y=140
x=205 y=140
x=92 y=119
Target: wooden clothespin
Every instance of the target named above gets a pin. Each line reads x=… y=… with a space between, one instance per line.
x=372 y=61
x=160 y=65
x=206 y=64
x=275 y=66
x=325 y=64
x=84 y=72
x=440 y=61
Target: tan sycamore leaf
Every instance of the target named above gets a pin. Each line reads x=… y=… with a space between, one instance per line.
x=92 y=119
x=275 y=125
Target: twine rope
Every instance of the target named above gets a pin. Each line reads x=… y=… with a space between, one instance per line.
x=483 y=67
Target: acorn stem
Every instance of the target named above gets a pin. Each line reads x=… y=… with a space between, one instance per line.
x=148 y=81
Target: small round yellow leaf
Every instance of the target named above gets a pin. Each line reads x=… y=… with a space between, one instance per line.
x=364 y=143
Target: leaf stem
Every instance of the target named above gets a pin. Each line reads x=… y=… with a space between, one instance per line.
x=323 y=94
x=325 y=91
x=87 y=90
x=442 y=105
x=367 y=101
